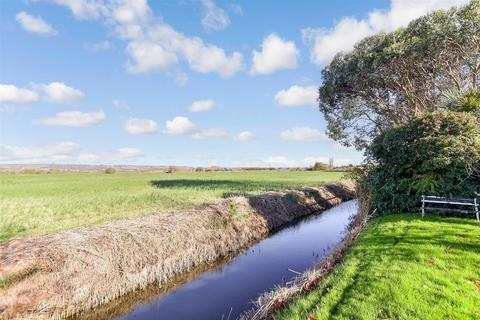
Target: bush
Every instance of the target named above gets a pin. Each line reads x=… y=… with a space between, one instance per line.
x=319 y=166
x=109 y=170
x=437 y=154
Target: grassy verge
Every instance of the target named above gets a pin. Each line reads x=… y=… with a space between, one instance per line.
x=402 y=267
x=35 y=204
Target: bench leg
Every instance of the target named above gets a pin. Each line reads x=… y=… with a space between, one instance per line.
x=476 y=209
x=423 y=206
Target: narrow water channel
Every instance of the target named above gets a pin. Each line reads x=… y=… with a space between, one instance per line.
x=228 y=290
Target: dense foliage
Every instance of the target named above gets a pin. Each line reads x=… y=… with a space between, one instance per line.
x=438 y=153
x=389 y=79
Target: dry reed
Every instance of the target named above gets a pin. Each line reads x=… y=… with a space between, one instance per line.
x=79 y=269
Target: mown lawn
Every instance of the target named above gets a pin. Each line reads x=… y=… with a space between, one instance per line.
x=402 y=267
x=32 y=204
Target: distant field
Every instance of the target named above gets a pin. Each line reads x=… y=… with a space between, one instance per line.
x=33 y=204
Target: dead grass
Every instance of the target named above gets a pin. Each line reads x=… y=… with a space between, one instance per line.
x=79 y=269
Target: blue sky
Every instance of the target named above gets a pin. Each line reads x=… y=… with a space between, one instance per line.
x=192 y=82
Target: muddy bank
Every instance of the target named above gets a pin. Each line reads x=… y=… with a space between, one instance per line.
x=62 y=274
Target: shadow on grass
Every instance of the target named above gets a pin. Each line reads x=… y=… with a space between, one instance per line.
x=230 y=187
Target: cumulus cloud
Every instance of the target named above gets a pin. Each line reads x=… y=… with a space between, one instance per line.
x=180 y=126
x=34 y=24
x=73 y=119
x=342 y=37
x=140 y=126
x=39 y=153
x=215 y=18
x=276 y=54
x=202 y=105
x=152 y=44
x=297 y=96
x=209 y=133
x=13 y=94
x=303 y=134
x=59 y=92
x=84 y=9
x=244 y=136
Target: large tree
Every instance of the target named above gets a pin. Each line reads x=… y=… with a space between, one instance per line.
x=388 y=79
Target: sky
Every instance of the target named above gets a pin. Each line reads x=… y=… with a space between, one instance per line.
x=188 y=82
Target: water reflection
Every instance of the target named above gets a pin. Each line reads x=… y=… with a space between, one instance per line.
x=227 y=291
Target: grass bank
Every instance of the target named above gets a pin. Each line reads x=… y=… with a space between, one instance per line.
x=66 y=273
x=401 y=267
x=35 y=204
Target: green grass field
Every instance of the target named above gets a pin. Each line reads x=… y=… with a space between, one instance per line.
x=402 y=267
x=33 y=204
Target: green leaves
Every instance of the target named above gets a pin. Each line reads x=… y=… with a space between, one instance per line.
x=438 y=153
x=389 y=79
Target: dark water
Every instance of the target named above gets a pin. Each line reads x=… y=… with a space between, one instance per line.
x=227 y=291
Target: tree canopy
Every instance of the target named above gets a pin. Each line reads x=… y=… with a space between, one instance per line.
x=389 y=79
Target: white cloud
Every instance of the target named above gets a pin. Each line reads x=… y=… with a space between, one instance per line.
x=140 y=126
x=303 y=134
x=276 y=54
x=13 y=94
x=209 y=133
x=282 y=161
x=202 y=105
x=215 y=18
x=237 y=9
x=152 y=44
x=84 y=9
x=297 y=96
x=180 y=78
x=88 y=158
x=117 y=156
x=34 y=24
x=121 y=104
x=126 y=153
x=149 y=56
x=99 y=46
x=59 y=92
x=179 y=126
x=342 y=37
x=39 y=153
x=73 y=119
x=244 y=136
x=63 y=152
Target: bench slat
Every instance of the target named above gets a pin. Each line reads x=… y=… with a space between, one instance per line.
x=472 y=203
x=433 y=198
x=448 y=210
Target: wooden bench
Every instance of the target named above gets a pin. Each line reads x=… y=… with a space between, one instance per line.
x=426 y=200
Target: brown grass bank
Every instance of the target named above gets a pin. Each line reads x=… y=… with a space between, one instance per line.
x=67 y=273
